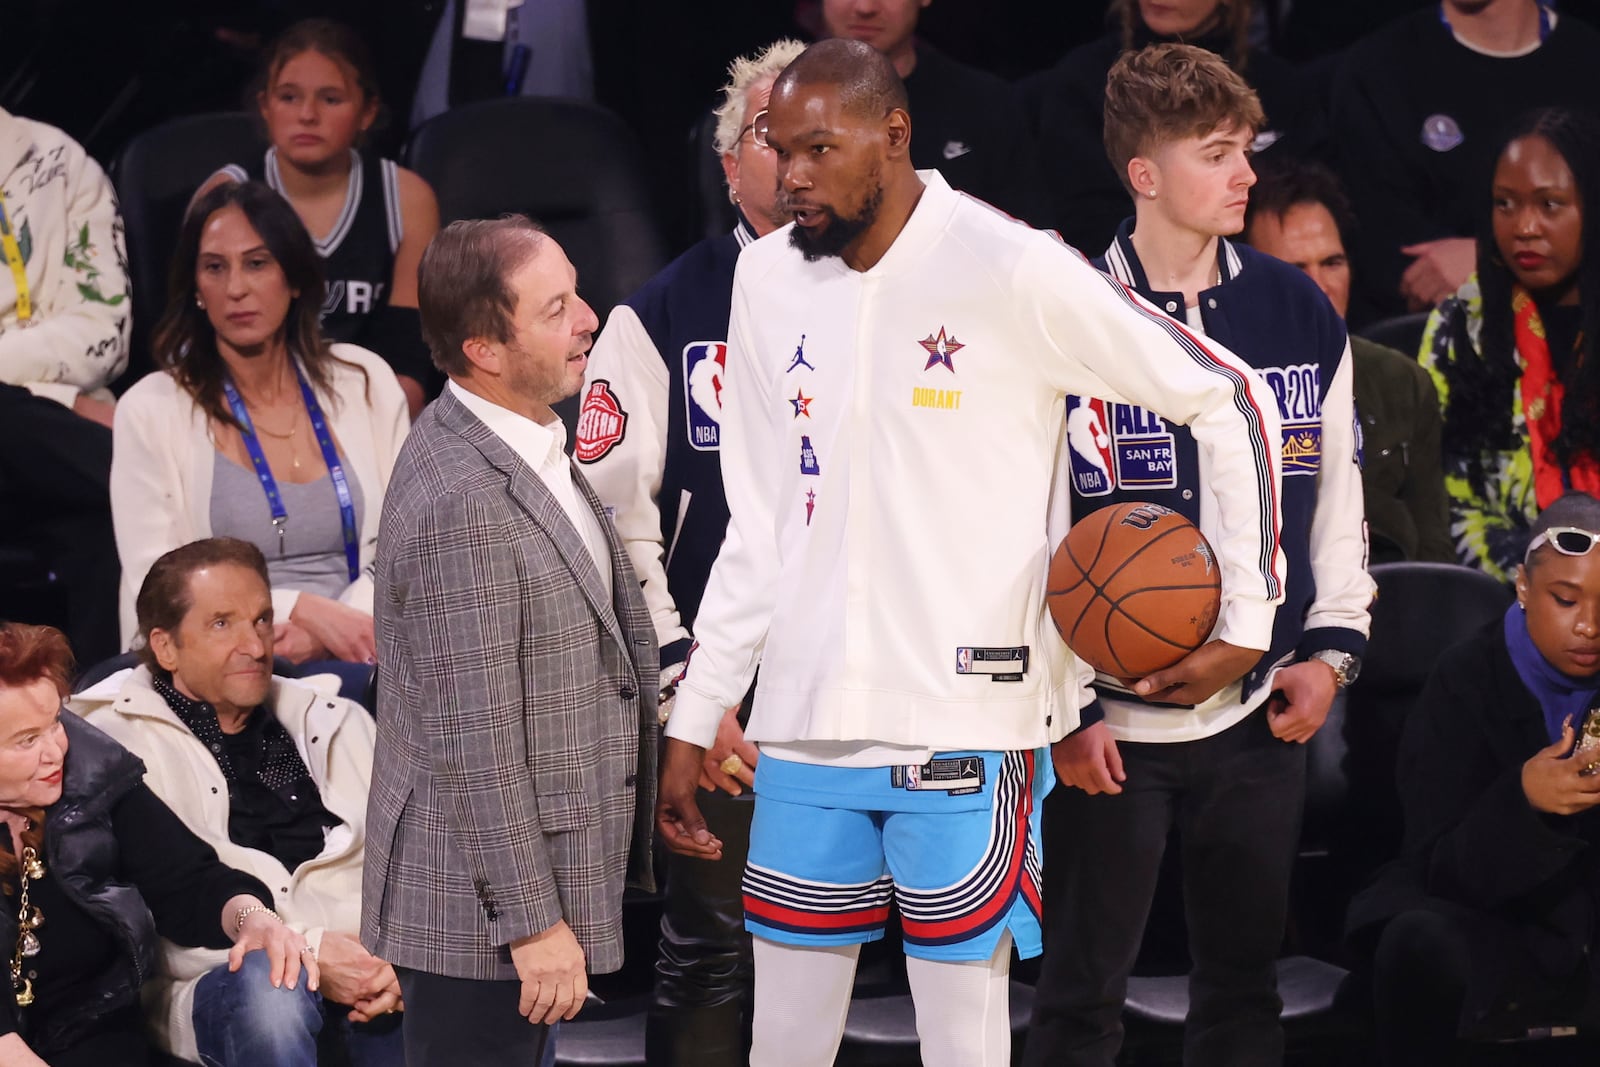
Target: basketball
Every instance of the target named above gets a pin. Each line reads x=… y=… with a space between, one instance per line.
x=1133 y=589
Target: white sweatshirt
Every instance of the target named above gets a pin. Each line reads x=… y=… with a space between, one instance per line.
x=64 y=215
x=885 y=563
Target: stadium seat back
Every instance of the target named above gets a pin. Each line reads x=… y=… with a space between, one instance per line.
x=155 y=176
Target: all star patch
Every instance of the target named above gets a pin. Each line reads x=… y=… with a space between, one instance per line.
x=940 y=347
x=602 y=422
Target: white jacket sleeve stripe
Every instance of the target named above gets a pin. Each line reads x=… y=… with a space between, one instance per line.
x=1243 y=401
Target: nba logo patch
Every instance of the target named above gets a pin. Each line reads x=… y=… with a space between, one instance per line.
x=808 y=458
x=703 y=363
x=963 y=661
x=1089 y=447
x=601 y=422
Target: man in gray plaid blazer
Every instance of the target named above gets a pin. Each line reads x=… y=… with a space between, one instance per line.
x=513 y=783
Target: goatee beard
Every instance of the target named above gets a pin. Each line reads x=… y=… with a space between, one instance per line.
x=840 y=231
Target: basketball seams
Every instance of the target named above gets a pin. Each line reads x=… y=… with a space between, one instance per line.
x=1120 y=606
x=1085 y=574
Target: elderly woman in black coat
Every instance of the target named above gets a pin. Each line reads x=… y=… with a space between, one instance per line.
x=93 y=867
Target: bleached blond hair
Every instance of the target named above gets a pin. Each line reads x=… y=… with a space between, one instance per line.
x=744 y=72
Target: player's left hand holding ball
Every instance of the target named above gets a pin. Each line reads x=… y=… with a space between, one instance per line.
x=1197 y=677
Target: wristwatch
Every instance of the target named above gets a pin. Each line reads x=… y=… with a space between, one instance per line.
x=1346 y=668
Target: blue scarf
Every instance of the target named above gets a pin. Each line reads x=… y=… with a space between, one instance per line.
x=1559 y=696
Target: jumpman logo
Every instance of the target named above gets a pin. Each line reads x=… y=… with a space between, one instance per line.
x=799 y=359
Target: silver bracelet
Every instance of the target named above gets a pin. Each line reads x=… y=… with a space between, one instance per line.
x=248 y=910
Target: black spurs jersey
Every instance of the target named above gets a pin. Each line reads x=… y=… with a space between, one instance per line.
x=358 y=253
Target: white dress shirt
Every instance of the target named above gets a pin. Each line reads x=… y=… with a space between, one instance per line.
x=544 y=448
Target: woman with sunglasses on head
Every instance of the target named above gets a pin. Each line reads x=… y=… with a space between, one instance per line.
x=255 y=427
x=1514 y=352
x=369 y=217
x=1485 y=927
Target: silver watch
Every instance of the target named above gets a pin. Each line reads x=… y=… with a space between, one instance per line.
x=1346 y=668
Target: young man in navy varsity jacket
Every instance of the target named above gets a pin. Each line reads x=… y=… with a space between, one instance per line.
x=1229 y=773
x=648 y=436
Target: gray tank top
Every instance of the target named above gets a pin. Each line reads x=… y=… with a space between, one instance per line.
x=311 y=555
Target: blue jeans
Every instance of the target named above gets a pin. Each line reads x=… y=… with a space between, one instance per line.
x=240 y=1020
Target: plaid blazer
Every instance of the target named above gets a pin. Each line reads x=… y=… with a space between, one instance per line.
x=514 y=779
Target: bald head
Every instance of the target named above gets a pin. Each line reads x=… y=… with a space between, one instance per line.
x=863 y=77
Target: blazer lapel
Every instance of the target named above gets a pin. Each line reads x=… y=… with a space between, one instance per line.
x=534 y=497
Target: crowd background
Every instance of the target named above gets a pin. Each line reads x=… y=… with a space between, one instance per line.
x=104 y=73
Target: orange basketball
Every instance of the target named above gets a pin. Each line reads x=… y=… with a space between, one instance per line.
x=1133 y=589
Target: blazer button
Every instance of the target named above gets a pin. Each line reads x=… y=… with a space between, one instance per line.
x=628 y=693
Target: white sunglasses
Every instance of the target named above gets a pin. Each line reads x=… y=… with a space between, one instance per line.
x=1567 y=540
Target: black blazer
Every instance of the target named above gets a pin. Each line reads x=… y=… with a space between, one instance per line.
x=1523 y=883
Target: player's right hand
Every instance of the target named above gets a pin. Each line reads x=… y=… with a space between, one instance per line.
x=678 y=818
x=730 y=742
x=1089 y=760
x=1197 y=677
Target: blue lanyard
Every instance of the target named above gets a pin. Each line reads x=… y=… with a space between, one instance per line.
x=330 y=455
x=1544 y=20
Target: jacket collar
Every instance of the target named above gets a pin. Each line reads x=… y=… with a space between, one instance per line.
x=99 y=773
x=298 y=707
x=743 y=232
x=1122 y=263
x=534 y=497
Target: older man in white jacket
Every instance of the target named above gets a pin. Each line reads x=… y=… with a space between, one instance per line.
x=274 y=775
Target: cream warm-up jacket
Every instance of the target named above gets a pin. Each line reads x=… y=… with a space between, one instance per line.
x=891 y=493
x=162 y=456
x=335 y=738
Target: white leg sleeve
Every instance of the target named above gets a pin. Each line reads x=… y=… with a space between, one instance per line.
x=964 y=1009
x=801 y=997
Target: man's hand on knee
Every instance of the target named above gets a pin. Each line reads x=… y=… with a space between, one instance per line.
x=551 y=967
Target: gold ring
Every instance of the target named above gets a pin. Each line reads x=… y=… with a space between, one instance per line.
x=732 y=765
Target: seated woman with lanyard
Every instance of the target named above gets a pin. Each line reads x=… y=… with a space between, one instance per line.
x=255 y=427
x=94 y=871
x=369 y=217
x=1515 y=354
x=1485 y=927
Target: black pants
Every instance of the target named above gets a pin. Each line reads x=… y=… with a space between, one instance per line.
x=459 y=1022
x=1235 y=799
x=55 y=476
x=701 y=1013
x=1422 y=976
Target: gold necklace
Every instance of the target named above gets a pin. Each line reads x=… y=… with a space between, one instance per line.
x=29 y=919
x=294 y=427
